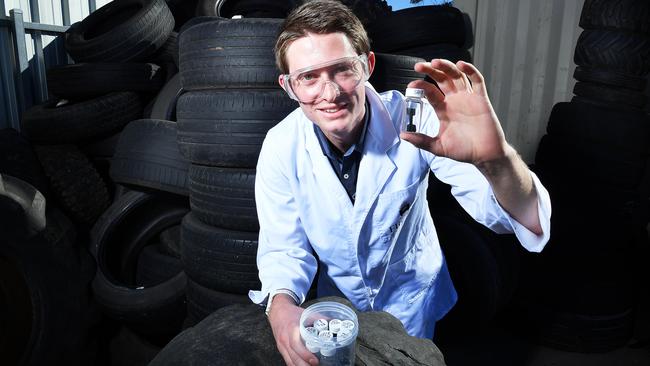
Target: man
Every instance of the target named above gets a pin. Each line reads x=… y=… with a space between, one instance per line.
x=337 y=181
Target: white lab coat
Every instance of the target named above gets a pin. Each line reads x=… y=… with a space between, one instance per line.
x=382 y=253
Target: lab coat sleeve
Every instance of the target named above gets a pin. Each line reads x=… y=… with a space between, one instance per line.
x=284 y=257
x=472 y=190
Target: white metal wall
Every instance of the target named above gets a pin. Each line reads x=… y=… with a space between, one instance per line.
x=525 y=51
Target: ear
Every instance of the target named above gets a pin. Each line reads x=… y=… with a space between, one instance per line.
x=371 y=62
x=281 y=82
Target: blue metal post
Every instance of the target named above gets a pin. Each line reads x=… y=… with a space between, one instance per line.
x=40 y=80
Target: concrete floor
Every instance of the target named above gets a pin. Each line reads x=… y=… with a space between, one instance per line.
x=500 y=347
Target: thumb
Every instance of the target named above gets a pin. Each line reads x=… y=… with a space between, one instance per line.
x=422 y=141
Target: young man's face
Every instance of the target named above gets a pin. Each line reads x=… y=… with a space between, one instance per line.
x=336 y=115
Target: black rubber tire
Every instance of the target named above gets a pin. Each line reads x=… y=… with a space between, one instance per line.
x=394 y=72
x=227 y=127
x=93 y=79
x=170 y=240
x=616 y=51
x=198 y=20
x=102 y=148
x=219 y=259
x=17 y=158
x=120 y=31
x=168 y=52
x=609 y=95
x=183 y=11
x=116 y=241
x=369 y=11
x=75 y=182
x=626 y=15
x=147 y=155
x=423 y=25
x=224 y=197
x=610 y=78
x=592 y=124
x=202 y=301
x=572 y=160
x=73 y=122
x=41 y=297
x=164 y=105
x=22 y=208
x=229 y=54
x=155 y=266
x=233 y=335
x=449 y=52
x=246 y=8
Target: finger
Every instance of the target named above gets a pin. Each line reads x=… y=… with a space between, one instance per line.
x=457 y=76
x=445 y=84
x=478 y=82
x=301 y=350
x=285 y=355
x=296 y=359
x=422 y=141
x=434 y=95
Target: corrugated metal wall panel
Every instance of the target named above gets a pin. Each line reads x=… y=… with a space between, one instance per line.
x=525 y=51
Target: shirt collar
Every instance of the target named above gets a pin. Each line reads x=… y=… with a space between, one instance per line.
x=331 y=151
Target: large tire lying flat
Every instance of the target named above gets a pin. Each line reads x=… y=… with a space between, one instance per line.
x=75 y=183
x=394 y=72
x=120 y=31
x=147 y=155
x=164 y=105
x=229 y=54
x=92 y=79
x=202 y=301
x=616 y=51
x=224 y=197
x=445 y=51
x=227 y=127
x=246 y=8
x=626 y=15
x=219 y=259
x=61 y=121
x=422 y=25
x=610 y=78
x=609 y=95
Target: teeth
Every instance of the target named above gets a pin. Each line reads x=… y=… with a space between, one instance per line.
x=331 y=110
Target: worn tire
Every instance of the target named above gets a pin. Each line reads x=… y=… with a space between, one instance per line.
x=246 y=8
x=17 y=158
x=75 y=182
x=120 y=31
x=227 y=127
x=224 y=197
x=424 y=25
x=202 y=301
x=219 y=259
x=22 y=208
x=229 y=54
x=394 y=72
x=93 y=79
x=147 y=155
x=610 y=78
x=72 y=122
x=609 y=95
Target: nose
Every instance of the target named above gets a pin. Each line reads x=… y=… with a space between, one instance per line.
x=330 y=93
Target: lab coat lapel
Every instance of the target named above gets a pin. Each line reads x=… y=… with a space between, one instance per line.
x=377 y=165
x=323 y=172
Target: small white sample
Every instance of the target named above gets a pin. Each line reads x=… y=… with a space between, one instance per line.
x=347 y=325
x=335 y=325
x=321 y=324
x=313 y=347
x=325 y=335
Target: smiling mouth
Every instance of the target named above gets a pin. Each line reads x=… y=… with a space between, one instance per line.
x=333 y=109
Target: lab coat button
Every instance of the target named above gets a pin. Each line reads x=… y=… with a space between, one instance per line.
x=346 y=176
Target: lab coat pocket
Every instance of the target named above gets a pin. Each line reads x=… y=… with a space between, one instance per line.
x=394 y=208
x=414 y=274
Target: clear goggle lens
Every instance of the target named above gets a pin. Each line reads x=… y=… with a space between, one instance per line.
x=343 y=75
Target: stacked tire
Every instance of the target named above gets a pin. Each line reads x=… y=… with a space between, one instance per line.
x=231 y=100
x=580 y=294
x=93 y=143
x=428 y=32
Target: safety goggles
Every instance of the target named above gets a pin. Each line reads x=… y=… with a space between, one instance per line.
x=344 y=74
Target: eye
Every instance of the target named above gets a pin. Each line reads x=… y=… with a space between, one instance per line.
x=307 y=78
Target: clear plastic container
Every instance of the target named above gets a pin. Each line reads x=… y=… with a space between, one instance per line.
x=413 y=110
x=331 y=348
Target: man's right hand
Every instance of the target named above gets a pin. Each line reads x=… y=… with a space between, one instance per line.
x=285 y=322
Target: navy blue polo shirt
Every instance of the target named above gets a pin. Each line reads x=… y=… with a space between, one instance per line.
x=345 y=165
